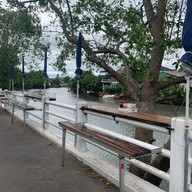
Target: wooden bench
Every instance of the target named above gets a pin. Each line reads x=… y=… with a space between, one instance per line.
x=122 y=147
x=22 y=106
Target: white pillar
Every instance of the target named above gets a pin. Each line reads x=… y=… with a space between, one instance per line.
x=177 y=155
x=81 y=144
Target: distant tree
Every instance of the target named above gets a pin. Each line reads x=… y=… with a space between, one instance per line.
x=88 y=82
x=56 y=81
x=35 y=80
x=66 y=79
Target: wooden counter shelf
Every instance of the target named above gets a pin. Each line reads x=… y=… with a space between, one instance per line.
x=39 y=97
x=141 y=117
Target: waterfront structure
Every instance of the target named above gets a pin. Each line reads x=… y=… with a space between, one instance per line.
x=175 y=127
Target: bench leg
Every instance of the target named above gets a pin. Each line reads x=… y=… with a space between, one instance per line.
x=121 y=173
x=63 y=148
x=12 y=113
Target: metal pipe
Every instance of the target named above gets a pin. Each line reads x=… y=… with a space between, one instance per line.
x=186 y=165
x=137 y=163
x=125 y=138
x=60 y=116
x=34 y=115
x=150 y=169
x=72 y=107
x=143 y=125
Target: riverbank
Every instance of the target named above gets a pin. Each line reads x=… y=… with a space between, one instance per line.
x=29 y=162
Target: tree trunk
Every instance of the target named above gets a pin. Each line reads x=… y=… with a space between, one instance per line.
x=143 y=135
x=160 y=162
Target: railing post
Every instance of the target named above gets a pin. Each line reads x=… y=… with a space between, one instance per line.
x=45 y=116
x=121 y=173
x=81 y=144
x=177 y=157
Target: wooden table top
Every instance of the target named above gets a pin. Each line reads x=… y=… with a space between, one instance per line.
x=137 y=116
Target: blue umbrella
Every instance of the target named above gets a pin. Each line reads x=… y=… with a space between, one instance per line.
x=23 y=73
x=45 y=64
x=186 y=59
x=78 y=71
x=23 y=68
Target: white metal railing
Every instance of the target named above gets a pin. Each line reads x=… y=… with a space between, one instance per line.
x=166 y=176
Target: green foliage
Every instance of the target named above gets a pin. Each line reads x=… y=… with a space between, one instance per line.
x=88 y=82
x=19 y=31
x=35 y=80
x=56 y=81
x=174 y=94
x=66 y=79
x=113 y=90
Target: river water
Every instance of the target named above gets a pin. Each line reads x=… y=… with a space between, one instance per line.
x=66 y=97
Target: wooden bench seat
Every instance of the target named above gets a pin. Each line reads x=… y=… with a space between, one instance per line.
x=23 y=107
x=120 y=146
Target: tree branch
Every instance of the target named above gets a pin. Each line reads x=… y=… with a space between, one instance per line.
x=178 y=80
x=71 y=18
x=149 y=10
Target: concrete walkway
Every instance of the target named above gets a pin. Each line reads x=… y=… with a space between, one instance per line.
x=31 y=163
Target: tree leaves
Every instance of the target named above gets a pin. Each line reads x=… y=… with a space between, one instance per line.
x=18 y=32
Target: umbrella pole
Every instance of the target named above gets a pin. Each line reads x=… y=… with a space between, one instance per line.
x=12 y=90
x=77 y=91
x=186 y=166
x=12 y=85
x=76 y=109
x=44 y=86
x=23 y=84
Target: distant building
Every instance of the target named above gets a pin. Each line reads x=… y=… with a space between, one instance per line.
x=166 y=71
x=110 y=81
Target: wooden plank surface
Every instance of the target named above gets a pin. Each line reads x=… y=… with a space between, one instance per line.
x=3 y=98
x=38 y=97
x=125 y=147
x=143 y=117
x=23 y=106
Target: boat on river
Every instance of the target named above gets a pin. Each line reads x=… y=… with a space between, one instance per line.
x=108 y=96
